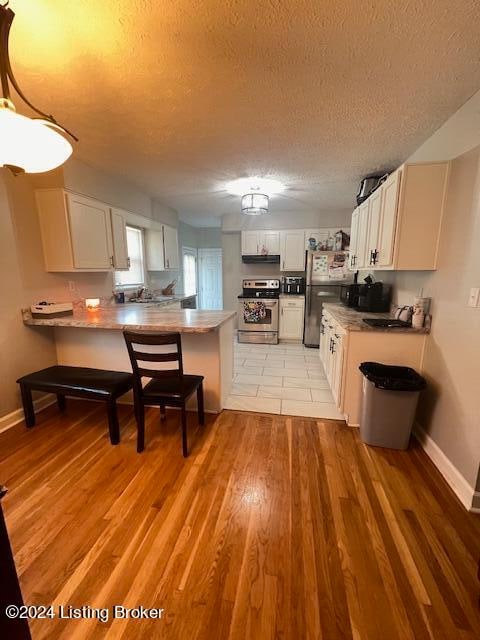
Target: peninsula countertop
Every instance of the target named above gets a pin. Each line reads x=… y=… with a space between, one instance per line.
x=352 y=320
x=137 y=317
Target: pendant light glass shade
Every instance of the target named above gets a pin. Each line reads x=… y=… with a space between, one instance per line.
x=30 y=145
x=254 y=204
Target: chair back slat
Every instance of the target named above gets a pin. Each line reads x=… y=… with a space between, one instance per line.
x=156 y=357
x=137 y=358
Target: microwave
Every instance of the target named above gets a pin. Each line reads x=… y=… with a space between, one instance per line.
x=349 y=294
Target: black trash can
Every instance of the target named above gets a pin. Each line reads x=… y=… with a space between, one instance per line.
x=389 y=401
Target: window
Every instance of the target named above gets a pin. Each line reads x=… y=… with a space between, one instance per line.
x=135 y=275
x=189 y=271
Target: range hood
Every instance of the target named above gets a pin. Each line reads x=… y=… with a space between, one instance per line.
x=266 y=259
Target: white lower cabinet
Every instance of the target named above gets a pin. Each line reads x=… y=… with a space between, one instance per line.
x=332 y=337
x=291 y=318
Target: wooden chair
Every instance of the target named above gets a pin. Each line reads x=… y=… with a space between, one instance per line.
x=167 y=387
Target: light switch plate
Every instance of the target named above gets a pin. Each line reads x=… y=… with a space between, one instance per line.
x=474 y=298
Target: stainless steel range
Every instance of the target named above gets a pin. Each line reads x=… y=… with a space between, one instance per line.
x=258 y=311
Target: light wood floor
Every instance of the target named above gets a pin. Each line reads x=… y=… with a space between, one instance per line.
x=275 y=527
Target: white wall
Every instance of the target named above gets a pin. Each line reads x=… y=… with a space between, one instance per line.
x=287 y=220
x=450 y=411
x=25 y=279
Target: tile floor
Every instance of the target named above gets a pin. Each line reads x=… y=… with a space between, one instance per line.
x=285 y=379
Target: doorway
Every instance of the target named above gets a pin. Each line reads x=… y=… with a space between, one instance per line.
x=210 y=295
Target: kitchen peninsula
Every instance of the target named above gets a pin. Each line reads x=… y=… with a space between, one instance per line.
x=95 y=339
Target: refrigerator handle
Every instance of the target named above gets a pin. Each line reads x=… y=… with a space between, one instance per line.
x=309 y=300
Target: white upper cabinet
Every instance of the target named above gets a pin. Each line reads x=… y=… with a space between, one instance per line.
x=119 y=239
x=388 y=219
x=353 y=258
x=292 y=250
x=362 y=235
x=269 y=242
x=404 y=219
x=161 y=248
x=170 y=244
x=155 y=258
x=250 y=243
x=256 y=243
x=76 y=231
x=374 y=223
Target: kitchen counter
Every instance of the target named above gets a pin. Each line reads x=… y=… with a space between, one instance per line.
x=138 y=316
x=352 y=320
x=207 y=341
x=159 y=302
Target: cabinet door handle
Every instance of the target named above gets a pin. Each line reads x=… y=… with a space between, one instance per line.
x=112 y=264
x=168 y=263
x=129 y=263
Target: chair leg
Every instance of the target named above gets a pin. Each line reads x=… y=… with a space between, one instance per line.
x=163 y=415
x=201 y=410
x=61 y=402
x=27 y=405
x=140 y=415
x=113 y=426
x=184 y=432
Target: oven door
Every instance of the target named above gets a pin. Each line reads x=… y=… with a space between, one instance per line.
x=257 y=314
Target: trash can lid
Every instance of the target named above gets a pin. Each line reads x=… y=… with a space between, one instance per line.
x=393 y=378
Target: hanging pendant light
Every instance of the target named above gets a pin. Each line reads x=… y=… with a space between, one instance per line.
x=30 y=145
x=254 y=204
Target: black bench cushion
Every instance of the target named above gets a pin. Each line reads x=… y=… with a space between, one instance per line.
x=175 y=388
x=79 y=381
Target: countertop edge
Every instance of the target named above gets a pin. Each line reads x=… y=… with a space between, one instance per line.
x=356 y=325
x=71 y=322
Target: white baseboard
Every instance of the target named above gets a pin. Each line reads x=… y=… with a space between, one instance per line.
x=13 y=418
x=462 y=489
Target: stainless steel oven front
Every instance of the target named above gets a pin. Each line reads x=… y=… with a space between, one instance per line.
x=258 y=320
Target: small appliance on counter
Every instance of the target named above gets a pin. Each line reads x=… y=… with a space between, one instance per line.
x=374 y=297
x=258 y=311
x=47 y=310
x=293 y=285
x=349 y=294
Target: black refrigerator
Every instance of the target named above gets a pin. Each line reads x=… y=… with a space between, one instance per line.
x=326 y=271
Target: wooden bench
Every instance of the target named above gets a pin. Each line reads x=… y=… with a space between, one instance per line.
x=80 y=382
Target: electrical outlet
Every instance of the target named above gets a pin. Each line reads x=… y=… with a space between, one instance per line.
x=474 y=298
x=72 y=287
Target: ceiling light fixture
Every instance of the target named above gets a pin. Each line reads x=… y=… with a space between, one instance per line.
x=268 y=186
x=30 y=145
x=254 y=204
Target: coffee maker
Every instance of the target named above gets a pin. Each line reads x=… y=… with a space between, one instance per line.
x=374 y=297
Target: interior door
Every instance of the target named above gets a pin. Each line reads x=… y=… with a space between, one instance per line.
x=210 y=279
x=391 y=189
x=119 y=237
x=90 y=234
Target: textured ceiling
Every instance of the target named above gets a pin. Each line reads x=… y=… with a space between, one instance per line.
x=179 y=96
